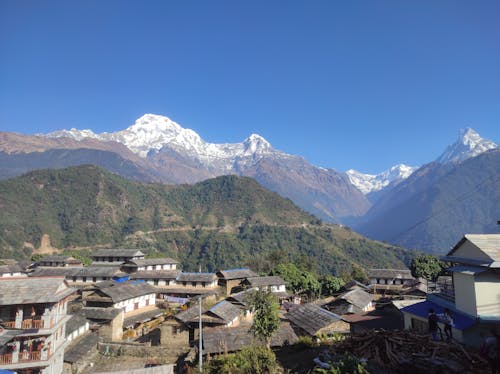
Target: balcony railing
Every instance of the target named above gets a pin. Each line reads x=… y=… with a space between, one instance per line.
x=6 y=359
x=27 y=324
x=29 y=356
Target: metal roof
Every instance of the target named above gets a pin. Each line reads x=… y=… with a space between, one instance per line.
x=487 y=243
x=460 y=320
x=33 y=290
x=470 y=270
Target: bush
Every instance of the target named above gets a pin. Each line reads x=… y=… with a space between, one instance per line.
x=250 y=360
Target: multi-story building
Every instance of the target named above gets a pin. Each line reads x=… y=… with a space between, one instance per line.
x=33 y=319
x=116 y=256
x=473 y=294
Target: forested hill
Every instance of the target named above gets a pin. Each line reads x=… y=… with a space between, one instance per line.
x=223 y=222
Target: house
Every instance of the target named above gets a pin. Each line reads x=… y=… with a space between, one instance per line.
x=79 y=276
x=474 y=294
x=77 y=326
x=231 y=279
x=59 y=260
x=187 y=285
x=311 y=319
x=149 y=264
x=389 y=280
x=351 y=302
x=33 y=315
x=218 y=340
x=108 y=321
x=126 y=296
x=116 y=256
x=11 y=270
x=161 y=278
x=273 y=283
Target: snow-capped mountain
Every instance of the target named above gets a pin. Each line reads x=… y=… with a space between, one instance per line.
x=153 y=132
x=469 y=144
x=367 y=183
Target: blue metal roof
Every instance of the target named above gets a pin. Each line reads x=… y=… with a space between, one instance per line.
x=460 y=320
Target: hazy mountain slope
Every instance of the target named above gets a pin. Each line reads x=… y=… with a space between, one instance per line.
x=433 y=208
x=226 y=221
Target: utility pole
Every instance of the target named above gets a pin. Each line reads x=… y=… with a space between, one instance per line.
x=200 y=347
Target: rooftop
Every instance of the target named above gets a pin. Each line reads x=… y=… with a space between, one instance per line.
x=272 y=280
x=236 y=273
x=124 y=291
x=390 y=273
x=311 y=318
x=33 y=290
x=117 y=252
x=196 y=277
x=151 y=261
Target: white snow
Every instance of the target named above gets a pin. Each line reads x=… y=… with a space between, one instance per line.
x=469 y=144
x=367 y=183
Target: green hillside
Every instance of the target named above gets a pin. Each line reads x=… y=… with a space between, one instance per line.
x=223 y=222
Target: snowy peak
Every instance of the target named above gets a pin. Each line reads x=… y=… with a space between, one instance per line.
x=367 y=183
x=469 y=144
x=73 y=134
x=256 y=144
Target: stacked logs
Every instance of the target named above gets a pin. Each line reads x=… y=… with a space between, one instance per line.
x=405 y=351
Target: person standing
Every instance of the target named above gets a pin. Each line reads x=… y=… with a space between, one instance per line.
x=432 y=320
x=447 y=320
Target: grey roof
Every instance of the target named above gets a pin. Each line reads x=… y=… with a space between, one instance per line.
x=311 y=318
x=155 y=274
x=52 y=271
x=240 y=297
x=103 y=314
x=163 y=369
x=196 y=277
x=14 y=268
x=124 y=291
x=151 y=261
x=98 y=271
x=236 y=273
x=273 y=280
x=80 y=348
x=143 y=317
x=223 y=312
x=353 y=301
x=75 y=322
x=58 y=258
x=487 y=243
x=223 y=339
x=33 y=290
x=390 y=273
x=117 y=252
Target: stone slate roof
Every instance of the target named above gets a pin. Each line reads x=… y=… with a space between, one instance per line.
x=353 y=301
x=119 y=252
x=156 y=274
x=14 y=268
x=196 y=277
x=273 y=280
x=142 y=317
x=222 y=312
x=124 y=291
x=79 y=348
x=311 y=318
x=98 y=271
x=224 y=339
x=390 y=273
x=53 y=271
x=75 y=322
x=239 y=297
x=102 y=314
x=60 y=259
x=150 y=262
x=487 y=243
x=236 y=274
x=33 y=290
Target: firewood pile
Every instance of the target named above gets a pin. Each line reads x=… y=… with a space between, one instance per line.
x=404 y=351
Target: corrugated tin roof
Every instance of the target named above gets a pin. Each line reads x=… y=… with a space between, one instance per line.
x=33 y=290
x=311 y=318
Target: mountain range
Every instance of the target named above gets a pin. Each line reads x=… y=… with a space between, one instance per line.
x=156 y=149
x=223 y=222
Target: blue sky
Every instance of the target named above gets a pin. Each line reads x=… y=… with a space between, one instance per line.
x=346 y=84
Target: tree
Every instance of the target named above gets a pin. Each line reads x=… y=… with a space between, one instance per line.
x=299 y=281
x=266 y=321
x=427 y=266
x=250 y=360
x=330 y=284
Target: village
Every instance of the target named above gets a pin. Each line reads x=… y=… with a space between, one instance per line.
x=126 y=313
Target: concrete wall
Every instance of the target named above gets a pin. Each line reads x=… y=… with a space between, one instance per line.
x=465 y=293
x=488 y=294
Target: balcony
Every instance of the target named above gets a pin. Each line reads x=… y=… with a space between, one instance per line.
x=22 y=358
x=29 y=356
x=5 y=359
x=27 y=324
